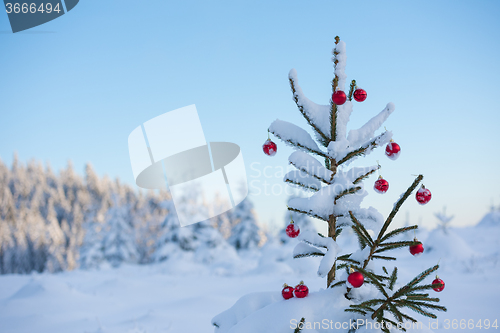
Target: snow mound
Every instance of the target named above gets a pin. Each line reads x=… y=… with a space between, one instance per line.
x=269 y=312
x=491 y=219
x=448 y=245
x=29 y=290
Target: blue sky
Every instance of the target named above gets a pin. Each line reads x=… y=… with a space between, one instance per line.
x=75 y=88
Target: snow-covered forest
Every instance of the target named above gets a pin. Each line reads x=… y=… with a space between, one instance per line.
x=51 y=222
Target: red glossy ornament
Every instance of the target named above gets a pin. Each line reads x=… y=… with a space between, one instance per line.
x=392 y=150
x=292 y=230
x=356 y=279
x=381 y=185
x=269 y=148
x=301 y=290
x=423 y=195
x=359 y=95
x=287 y=291
x=339 y=97
x=438 y=281
x=417 y=249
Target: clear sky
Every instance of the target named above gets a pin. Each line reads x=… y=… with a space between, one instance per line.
x=74 y=88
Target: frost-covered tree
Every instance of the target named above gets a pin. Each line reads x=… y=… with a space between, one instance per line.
x=322 y=167
x=118 y=243
x=444 y=220
x=245 y=234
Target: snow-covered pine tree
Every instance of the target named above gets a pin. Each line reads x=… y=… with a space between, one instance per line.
x=246 y=234
x=118 y=243
x=336 y=201
x=444 y=220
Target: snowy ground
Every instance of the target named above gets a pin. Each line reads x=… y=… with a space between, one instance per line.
x=182 y=297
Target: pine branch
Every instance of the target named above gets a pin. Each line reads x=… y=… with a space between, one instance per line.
x=421 y=311
x=396 y=313
x=338 y=284
x=298 y=145
x=355 y=310
x=374 y=280
x=423 y=275
x=346 y=259
x=307 y=213
x=299 y=326
x=386 y=320
x=393 y=278
x=364 y=232
x=337 y=232
x=363 y=242
x=361 y=151
x=369 y=303
x=311 y=254
x=333 y=118
x=398 y=205
x=428 y=305
x=405 y=316
x=302 y=185
x=400 y=243
x=383 y=257
x=398 y=231
x=351 y=89
x=366 y=175
x=324 y=139
x=411 y=286
x=345 y=192
x=385 y=270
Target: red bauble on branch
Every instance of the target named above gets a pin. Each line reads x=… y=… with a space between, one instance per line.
x=292 y=230
x=439 y=283
x=359 y=95
x=392 y=150
x=381 y=185
x=423 y=195
x=339 y=97
x=269 y=148
x=417 y=249
x=301 y=290
x=356 y=279
x=287 y=291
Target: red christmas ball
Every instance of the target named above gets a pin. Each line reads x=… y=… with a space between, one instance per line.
x=292 y=230
x=438 y=281
x=301 y=290
x=287 y=291
x=381 y=185
x=339 y=97
x=417 y=249
x=269 y=148
x=359 y=95
x=392 y=150
x=423 y=195
x=356 y=279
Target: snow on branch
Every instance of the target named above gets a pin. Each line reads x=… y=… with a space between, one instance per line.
x=303 y=250
x=343 y=114
x=357 y=174
x=318 y=116
x=340 y=59
x=365 y=148
x=300 y=178
x=366 y=132
x=320 y=203
x=295 y=136
x=311 y=166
